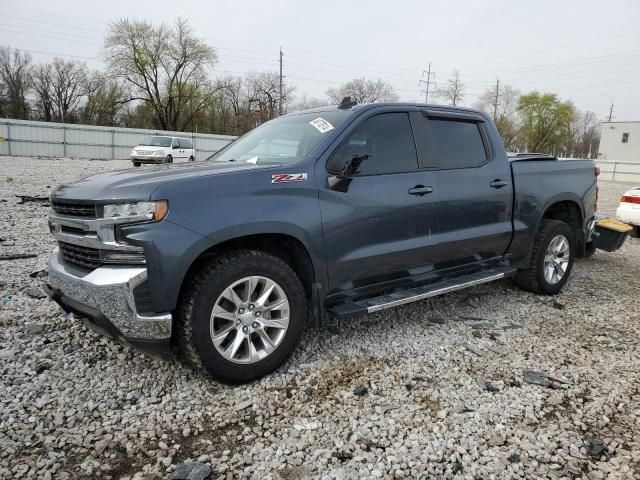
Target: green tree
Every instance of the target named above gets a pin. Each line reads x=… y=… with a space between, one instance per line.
x=545 y=122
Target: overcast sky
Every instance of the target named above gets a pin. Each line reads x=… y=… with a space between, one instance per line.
x=583 y=50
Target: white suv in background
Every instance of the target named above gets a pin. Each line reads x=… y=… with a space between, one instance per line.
x=162 y=149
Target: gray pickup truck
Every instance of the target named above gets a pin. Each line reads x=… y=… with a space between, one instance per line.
x=337 y=211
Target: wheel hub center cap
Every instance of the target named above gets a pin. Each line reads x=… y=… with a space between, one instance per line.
x=246 y=319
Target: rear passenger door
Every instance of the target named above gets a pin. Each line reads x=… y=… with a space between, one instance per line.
x=475 y=192
x=376 y=223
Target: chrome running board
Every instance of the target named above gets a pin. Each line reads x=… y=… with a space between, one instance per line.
x=402 y=297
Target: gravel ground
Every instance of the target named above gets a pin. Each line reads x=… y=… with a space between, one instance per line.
x=435 y=389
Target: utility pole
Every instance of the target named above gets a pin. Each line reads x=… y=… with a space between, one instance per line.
x=280 y=97
x=495 y=104
x=611 y=112
x=427 y=82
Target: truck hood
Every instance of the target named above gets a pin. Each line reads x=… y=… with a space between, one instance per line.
x=138 y=184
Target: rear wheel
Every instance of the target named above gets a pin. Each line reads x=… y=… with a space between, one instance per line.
x=136 y=164
x=241 y=316
x=551 y=260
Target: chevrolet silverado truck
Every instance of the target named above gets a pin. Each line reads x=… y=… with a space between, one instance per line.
x=331 y=212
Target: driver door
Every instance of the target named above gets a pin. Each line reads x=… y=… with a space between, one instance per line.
x=376 y=223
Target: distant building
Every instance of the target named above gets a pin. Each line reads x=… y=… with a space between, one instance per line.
x=620 y=141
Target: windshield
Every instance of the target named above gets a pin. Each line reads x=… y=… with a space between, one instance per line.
x=283 y=140
x=156 y=142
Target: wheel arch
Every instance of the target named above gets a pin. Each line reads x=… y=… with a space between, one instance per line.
x=283 y=245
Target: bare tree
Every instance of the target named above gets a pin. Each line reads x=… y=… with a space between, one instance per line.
x=68 y=79
x=585 y=135
x=453 y=91
x=105 y=98
x=506 y=110
x=43 y=92
x=364 y=91
x=305 y=102
x=15 y=78
x=263 y=95
x=166 y=67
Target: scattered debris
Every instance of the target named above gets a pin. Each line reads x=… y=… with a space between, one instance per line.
x=474 y=351
x=309 y=391
x=31 y=199
x=485 y=384
x=39 y=274
x=17 y=256
x=35 y=292
x=191 y=471
x=574 y=451
x=513 y=458
x=538 y=378
x=437 y=320
x=596 y=448
x=243 y=405
x=294 y=473
x=35 y=328
x=41 y=367
x=307 y=425
x=497 y=440
x=464 y=409
x=457 y=468
x=360 y=391
x=512 y=326
x=558 y=306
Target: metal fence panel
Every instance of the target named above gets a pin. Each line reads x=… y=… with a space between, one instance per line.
x=30 y=138
x=627 y=172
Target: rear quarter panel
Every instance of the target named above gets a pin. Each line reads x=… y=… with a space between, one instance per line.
x=540 y=184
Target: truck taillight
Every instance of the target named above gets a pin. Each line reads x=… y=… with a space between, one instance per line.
x=628 y=199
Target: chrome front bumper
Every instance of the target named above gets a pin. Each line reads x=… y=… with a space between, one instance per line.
x=108 y=293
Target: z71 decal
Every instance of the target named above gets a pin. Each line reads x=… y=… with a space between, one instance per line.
x=288 y=177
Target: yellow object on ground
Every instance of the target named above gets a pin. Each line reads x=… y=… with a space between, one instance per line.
x=614 y=225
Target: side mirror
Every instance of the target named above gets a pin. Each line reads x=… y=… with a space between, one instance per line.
x=350 y=166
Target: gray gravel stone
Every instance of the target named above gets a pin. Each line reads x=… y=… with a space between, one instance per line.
x=103 y=408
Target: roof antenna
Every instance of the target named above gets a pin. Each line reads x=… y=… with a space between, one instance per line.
x=347 y=103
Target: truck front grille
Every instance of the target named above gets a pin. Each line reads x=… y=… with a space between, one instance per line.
x=75 y=209
x=83 y=256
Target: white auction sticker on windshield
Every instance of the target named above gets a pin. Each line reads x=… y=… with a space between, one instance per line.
x=321 y=125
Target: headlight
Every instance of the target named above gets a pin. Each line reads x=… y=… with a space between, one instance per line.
x=155 y=211
x=132 y=152
x=158 y=153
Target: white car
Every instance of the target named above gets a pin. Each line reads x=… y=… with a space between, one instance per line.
x=629 y=209
x=162 y=149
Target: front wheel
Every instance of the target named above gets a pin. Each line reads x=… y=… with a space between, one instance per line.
x=191 y=159
x=136 y=164
x=169 y=159
x=241 y=316
x=551 y=260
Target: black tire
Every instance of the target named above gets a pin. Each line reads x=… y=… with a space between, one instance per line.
x=191 y=159
x=533 y=279
x=589 y=250
x=136 y=164
x=169 y=159
x=197 y=301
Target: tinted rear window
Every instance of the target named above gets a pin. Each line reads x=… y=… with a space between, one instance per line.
x=457 y=144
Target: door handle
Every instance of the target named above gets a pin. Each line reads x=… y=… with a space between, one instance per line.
x=420 y=190
x=497 y=183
